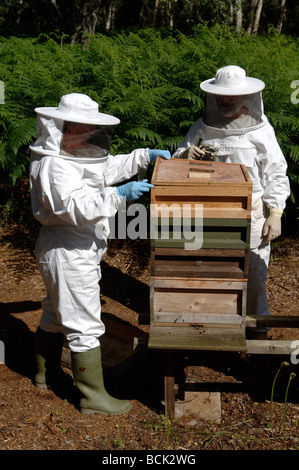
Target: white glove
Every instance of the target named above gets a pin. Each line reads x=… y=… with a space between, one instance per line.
x=272 y=226
x=193 y=153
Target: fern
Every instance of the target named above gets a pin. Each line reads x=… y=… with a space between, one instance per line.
x=150 y=80
x=294 y=153
x=146 y=135
x=21 y=133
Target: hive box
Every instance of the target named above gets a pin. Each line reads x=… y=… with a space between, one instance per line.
x=216 y=194
x=200 y=234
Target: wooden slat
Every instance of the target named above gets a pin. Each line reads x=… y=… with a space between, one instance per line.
x=190 y=263
x=211 y=210
x=193 y=295
x=235 y=261
x=169 y=383
x=173 y=192
x=270 y=347
x=176 y=171
x=189 y=320
x=187 y=233
x=207 y=243
x=179 y=222
x=197 y=339
x=221 y=302
x=208 y=284
x=254 y=321
x=228 y=253
x=197 y=318
x=172 y=339
x=206 y=231
x=198 y=271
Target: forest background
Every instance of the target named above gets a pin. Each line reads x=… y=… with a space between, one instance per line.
x=142 y=61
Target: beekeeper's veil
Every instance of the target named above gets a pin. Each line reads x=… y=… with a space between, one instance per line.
x=232 y=81
x=75 y=127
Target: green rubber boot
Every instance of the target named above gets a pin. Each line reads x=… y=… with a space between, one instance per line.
x=88 y=376
x=48 y=349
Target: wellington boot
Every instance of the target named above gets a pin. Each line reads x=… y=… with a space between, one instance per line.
x=48 y=349
x=88 y=376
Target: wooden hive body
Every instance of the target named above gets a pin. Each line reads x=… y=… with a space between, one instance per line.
x=199 y=285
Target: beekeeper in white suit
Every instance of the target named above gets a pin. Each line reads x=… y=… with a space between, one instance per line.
x=235 y=125
x=71 y=178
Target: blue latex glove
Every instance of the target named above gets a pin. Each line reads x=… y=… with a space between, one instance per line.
x=154 y=153
x=134 y=189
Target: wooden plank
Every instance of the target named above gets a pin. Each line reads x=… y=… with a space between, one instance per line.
x=168 y=199
x=170 y=202
x=209 y=326
x=177 y=171
x=203 y=320
x=207 y=284
x=223 y=302
x=207 y=243
x=205 y=266
x=197 y=339
x=270 y=347
x=199 y=271
x=117 y=355
x=210 y=211
x=195 y=262
x=179 y=222
x=214 y=208
x=174 y=194
x=228 y=253
x=121 y=330
x=169 y=384
x=122 y=346
x=254 y=321
x=178 y=318
x=183 y=263
x=185 y=234
x=171 y=339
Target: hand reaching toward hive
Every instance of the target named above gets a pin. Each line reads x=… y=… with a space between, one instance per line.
x=133 y=190
x=154 y=153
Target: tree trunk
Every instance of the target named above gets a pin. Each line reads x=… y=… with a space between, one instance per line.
x=254 y=16
x=156 y=8
x=18 y=17
x=87 y=12
x=111 y=16
x=170 y=15
x=283 y=14
x=257 y=17
x=239 y=16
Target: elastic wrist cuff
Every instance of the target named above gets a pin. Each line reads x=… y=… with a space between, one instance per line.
x=276 y=212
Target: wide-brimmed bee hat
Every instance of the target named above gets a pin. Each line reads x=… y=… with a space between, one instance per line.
x=232 y=81
x=80 y=108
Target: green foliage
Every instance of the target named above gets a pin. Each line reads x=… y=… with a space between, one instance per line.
x=149 y=79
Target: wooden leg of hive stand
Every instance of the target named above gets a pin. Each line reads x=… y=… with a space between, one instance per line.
x=169 y=388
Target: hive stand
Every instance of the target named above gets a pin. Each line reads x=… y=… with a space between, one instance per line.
x=200 y=239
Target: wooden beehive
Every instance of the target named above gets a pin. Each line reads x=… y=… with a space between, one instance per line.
x=199 y=285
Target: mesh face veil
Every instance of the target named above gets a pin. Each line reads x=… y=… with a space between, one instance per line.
x=75 y=127
x=85 y=140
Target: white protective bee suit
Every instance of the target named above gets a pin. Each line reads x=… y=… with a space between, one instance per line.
x=72 y=197
x=248 y=140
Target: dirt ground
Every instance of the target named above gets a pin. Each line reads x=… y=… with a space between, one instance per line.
x=32 y=419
